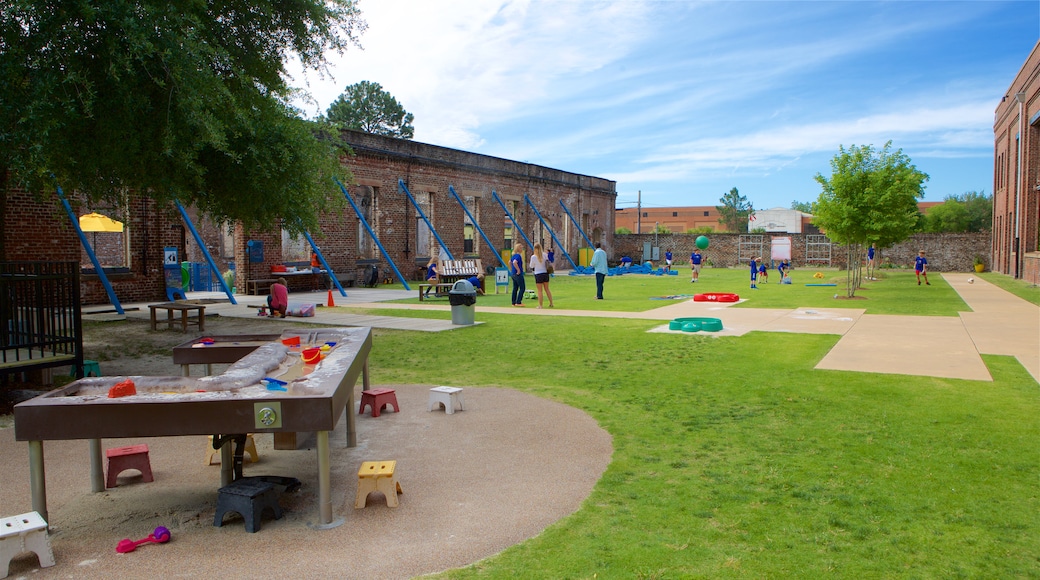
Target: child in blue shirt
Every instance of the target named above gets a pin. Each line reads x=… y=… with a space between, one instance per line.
x=921 y=268
x=763 y=273
x=754 y=272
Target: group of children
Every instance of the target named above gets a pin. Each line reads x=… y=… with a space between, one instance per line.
x=760 y=271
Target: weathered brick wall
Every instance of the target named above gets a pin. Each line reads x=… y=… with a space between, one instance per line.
x=1031 y=268
x=948 y=252
x=38 y=228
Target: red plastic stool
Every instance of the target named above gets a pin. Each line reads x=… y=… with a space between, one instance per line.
x=378 y=399
x=131 y=457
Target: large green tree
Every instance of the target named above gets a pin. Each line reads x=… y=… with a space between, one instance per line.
x=173 y=99
x=365 y=106
x=870 y=197
x=734 y=211
x=971 y=211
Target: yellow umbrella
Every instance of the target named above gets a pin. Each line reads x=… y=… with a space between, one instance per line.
x=95 y=222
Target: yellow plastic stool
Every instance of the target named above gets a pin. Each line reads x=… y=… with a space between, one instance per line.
x=250 y=450
x=377 y=476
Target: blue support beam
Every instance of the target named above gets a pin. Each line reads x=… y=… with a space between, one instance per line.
x=476 y=225
x=553 y=235
x=205 y=252
x=375 y=238
x=90 y=252
x=402 y=187
x=325 y=264
x=516 y=226
x=580 y=231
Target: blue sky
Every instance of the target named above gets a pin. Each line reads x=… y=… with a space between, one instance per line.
x=683 y=100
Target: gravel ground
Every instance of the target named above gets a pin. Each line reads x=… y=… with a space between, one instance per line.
x=474 y=483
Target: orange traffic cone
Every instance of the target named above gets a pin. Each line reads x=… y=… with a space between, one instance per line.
x=331 y=303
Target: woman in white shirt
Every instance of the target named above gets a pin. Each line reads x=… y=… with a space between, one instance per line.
x=541 y=274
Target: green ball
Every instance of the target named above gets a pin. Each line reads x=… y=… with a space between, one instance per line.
x=702 y=242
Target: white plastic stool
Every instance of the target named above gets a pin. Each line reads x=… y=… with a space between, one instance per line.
x=24 y=533
x=446 y=396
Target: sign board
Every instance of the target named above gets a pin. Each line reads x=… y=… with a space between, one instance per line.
x=170 y=257
x=781 y=249
x=501 y=279
x=255 y=248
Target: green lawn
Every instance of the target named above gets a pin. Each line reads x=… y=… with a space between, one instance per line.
x=735 y=459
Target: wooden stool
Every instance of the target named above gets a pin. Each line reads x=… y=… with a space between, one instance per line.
x=378 y=399
x=446 y=396
x=250 y=449
x=132 y=457
x=248 y=497
x=377 y=476
x=24 y=533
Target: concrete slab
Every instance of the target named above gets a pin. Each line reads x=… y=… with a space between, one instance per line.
x=935 y=346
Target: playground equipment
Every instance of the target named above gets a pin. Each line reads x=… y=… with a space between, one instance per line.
x=716 y=297
x=702 y=242
x=695 y=324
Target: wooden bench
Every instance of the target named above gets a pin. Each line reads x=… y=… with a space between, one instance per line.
x=185 y=309
x=256 y=287
x=451 y=271
x=439 y=289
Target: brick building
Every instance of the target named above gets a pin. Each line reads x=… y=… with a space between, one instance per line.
x=36 y=227
x=678 y=220
x=1016 y=175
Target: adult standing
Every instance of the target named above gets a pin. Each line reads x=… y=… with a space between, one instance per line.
x=516 y=270
x=695 y=265
x=870 y=261
x=599 y=264
x=540 y=267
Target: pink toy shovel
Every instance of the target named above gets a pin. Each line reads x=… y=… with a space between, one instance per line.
x=161 y=535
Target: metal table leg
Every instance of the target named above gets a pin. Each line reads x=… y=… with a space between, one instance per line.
x=38 y=479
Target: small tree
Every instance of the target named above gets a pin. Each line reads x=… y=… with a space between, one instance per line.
x=734 y=211
x=871 y=197
x=622 y=231
x=365 y=106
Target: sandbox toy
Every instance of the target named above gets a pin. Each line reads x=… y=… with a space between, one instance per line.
x=695 y=324
x=716 y=297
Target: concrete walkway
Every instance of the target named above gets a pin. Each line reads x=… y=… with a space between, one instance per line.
x=940 y=346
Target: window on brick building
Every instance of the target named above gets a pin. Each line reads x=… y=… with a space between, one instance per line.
x=469 y=238
x=425 y=243
x=295 y=249
x=705 y=214
x=645 y=214
x=368 y=202
x=675 y=214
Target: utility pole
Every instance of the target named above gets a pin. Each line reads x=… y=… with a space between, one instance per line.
x=639 y=212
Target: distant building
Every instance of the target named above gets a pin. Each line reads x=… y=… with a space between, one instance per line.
x=677 y=219
x=782 y=220
x=1016 y=175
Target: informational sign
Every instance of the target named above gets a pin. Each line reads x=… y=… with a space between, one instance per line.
x=170 y=256
x=255 y=248
x=781 y=249
x=501 y=279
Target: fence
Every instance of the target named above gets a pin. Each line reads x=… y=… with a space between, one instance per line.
x=40 y=314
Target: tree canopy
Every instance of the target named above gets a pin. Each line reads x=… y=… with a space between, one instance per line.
x=871 y=197
x=971 y=211
x=734 y=211
x=172 y=99
x=365 y=106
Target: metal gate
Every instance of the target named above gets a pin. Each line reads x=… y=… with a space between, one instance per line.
x=817 y=250
x=749 y=246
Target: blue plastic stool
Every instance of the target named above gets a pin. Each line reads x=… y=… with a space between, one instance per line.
x=90 y=368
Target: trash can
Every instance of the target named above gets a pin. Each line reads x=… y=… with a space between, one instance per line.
x=462 y=297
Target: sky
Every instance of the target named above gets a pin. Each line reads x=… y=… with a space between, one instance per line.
x=680 y=101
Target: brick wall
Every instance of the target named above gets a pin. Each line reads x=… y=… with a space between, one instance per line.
x=38 y=229
x=948 y=252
